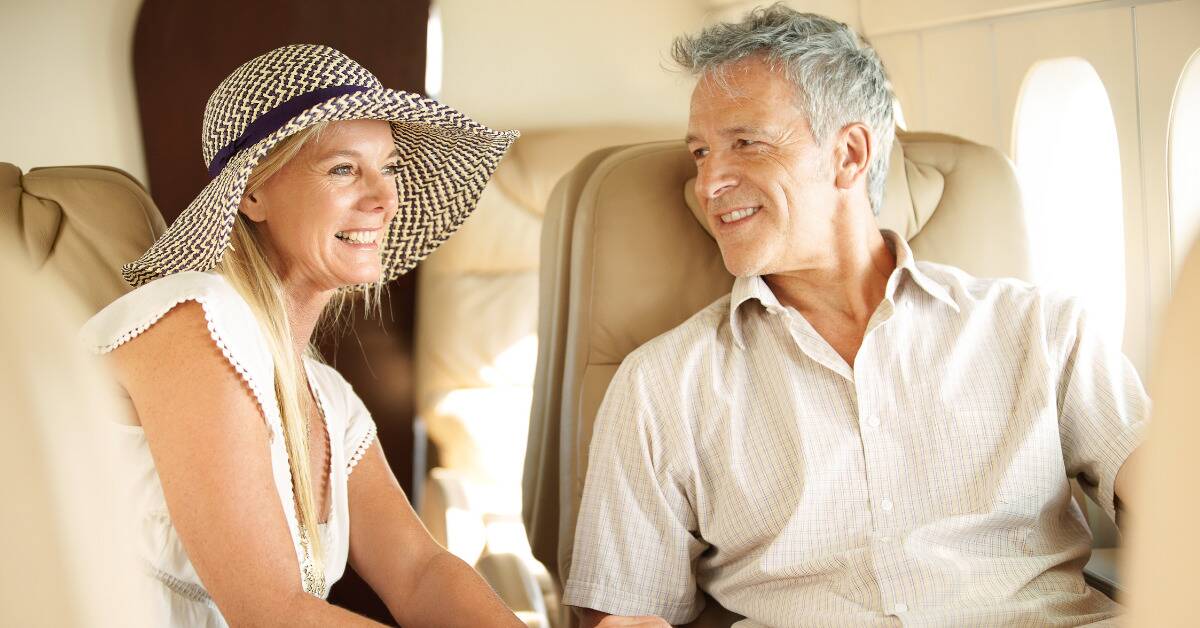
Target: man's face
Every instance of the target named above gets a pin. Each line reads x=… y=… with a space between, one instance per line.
x=766 y=187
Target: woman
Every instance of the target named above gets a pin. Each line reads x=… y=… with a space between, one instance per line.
x=261 y=472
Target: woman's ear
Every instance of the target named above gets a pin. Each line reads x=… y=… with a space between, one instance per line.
x=253 y=208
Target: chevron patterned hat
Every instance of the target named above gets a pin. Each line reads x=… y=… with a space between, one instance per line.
x=445 y=157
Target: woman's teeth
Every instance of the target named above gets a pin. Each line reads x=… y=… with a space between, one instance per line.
x=358 y=237
x=738 y=215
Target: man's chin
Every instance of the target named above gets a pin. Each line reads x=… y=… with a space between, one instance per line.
x=741 y=267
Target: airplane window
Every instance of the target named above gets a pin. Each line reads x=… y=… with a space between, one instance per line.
x=433 y=53
x=1184 y=160
x=1069 y=165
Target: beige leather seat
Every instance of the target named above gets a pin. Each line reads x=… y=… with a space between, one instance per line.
x=68 y=556
x=476 y=346
x=625 y=260
x=79 y=223
x=1162 y=554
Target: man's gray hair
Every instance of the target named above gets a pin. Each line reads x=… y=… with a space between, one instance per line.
x=838 y=77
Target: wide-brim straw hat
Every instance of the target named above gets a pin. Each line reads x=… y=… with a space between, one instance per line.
x=445 y=157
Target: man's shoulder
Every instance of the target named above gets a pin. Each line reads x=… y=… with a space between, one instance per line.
x=1008 y=300
x=963 y=285
x=706 y=330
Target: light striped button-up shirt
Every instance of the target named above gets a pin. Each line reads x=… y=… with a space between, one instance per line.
x=739 y=454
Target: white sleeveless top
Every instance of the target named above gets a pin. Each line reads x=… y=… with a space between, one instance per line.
x=179 y=598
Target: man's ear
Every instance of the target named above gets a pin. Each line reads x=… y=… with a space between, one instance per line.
x=853 y=155
x=253 y=208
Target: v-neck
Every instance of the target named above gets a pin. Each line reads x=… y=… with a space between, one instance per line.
x=318 y=396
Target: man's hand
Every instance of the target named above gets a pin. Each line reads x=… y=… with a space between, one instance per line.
x=648 y=621
x=591 y=618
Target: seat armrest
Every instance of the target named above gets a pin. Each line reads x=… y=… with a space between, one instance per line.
x=1101 y=572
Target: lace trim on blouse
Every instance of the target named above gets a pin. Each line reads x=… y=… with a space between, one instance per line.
x=360 y=449
x=186 y=590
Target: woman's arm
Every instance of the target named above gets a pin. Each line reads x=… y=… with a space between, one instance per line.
x=421 y=583
x=212 y=454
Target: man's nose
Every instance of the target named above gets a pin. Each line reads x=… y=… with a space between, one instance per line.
x=715 y=176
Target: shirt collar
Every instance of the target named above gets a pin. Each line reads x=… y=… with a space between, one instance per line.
x=746 y=289
x=906 y=262
x=755 y=288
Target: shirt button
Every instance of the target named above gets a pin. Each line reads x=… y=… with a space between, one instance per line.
x=885 y=539
x=902 y=608
x=885 y=505
x=872 y=421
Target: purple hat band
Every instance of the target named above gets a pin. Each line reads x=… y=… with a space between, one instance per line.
x=272 y=120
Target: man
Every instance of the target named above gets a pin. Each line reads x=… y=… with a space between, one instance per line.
x=851 y=437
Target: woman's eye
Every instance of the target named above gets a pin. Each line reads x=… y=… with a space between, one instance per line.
x=392 y=170
x=343 y=170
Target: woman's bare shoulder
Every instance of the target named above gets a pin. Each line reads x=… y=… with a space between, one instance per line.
x=175 y=368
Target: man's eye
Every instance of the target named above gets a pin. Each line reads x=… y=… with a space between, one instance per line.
x=343 y=170
x=699 y=152
x=746 y=142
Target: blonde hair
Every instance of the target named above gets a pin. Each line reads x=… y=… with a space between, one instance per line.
x=248 y=269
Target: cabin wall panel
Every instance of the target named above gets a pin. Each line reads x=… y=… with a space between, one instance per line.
x=889 y=16
x=959 y=67
x=68 y=85
x=846 y=11
x=1167 y=35
x=901 y=55
x=546 y=63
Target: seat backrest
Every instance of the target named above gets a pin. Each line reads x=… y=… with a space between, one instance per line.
x=477 y=314
x=624 y=260
x=64 y=233
x=1163 y=553
x=80 y=223
x=67 y=544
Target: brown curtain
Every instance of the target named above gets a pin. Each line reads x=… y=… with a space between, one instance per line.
x=182 y=50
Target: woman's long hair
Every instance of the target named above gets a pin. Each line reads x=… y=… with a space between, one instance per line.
x=246 y=266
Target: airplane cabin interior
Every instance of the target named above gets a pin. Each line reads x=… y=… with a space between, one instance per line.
x=1055 y=143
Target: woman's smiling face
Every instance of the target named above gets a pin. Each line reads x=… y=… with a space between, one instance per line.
x=324 y=214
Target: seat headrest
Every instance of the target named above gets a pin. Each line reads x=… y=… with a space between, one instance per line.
x=80 y=222
x=913 y=191
x=515 y=198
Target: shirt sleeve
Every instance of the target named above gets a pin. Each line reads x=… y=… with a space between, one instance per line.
x=360 y=427
x=635 y=542
x=1102 y=406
